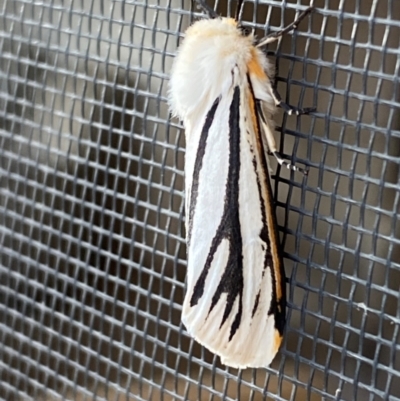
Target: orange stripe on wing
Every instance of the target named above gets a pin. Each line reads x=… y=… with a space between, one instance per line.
x=277 y=341
x=254 y=67
x=267 y=195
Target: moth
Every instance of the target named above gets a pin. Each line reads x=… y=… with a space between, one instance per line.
x=222 y=88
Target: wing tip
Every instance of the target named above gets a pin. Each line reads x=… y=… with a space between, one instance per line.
x=244 y=360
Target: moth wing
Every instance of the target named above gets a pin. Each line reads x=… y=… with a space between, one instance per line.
x=235 y=300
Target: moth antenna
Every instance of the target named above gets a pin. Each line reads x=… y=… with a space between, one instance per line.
x=207 y=9
x=239 y=8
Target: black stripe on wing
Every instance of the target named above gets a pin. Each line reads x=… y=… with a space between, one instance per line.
x=231 y=281
x=278 y=306
x=198 y=164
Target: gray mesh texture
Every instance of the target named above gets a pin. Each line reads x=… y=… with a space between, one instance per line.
x=92 y=250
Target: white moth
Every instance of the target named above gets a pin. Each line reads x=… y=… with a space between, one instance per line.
x=221 y=88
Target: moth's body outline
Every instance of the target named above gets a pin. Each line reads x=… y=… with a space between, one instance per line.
x=235 y=302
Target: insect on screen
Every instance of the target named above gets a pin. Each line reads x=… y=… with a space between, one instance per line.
x=92 y=235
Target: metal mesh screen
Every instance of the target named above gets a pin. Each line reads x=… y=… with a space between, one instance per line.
x=92 y=253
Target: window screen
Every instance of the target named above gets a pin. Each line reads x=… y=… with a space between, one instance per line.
x=92 y=249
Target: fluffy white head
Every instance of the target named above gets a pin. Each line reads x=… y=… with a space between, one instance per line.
x=202 y=68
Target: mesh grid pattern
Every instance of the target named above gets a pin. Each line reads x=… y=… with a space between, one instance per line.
x=92 y=252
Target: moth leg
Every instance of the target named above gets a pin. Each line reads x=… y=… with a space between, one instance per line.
x=272 y=37
x=271 y=142
x=207 y=9
x=287 y=107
